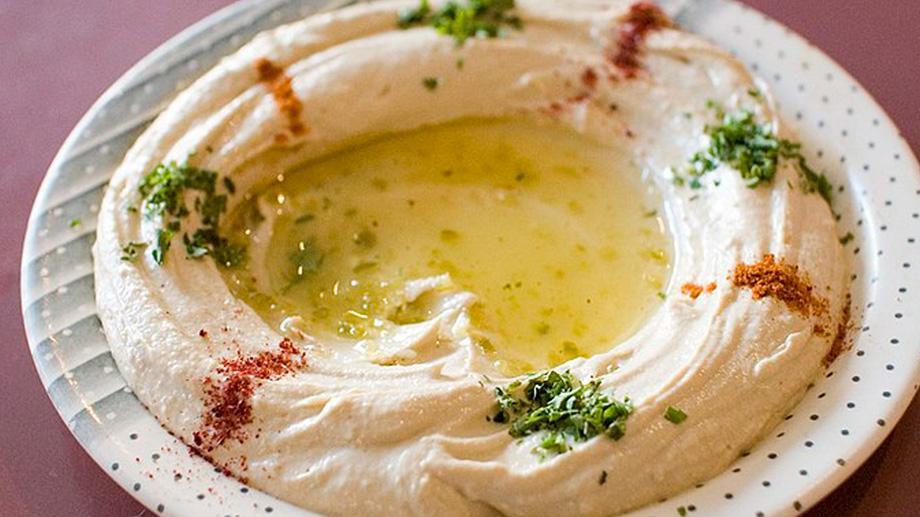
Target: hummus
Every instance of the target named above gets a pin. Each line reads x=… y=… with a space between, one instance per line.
x=412 y=416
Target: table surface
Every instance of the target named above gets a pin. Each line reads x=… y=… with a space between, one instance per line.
x=58 y=57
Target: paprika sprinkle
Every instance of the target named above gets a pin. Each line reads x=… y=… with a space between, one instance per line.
x=279 y=83
x=228 y=406
x=642 y=18
x=782 y=281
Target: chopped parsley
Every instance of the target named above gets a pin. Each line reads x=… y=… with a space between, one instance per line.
x=306 y=260
x=229 y=185
x=431 y=83
x=740 y=142
x=448 y=235
x=562 y=408
x=474 y=19
x=131 y=250
x=164 y=187
x=365 y=239
x=75 y=222
x=682 y=511
x=409 y=17
x=163 y=242
x=541 y=328
x=206 y=241
x=164 y=191
x=364 y=266
x=846 y=239
x=674 y=415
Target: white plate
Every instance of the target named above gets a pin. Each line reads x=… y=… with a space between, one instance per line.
x=843 y=418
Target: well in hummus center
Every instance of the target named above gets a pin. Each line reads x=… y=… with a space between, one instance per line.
x=557 y=236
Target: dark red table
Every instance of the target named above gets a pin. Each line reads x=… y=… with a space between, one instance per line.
x=56 y=57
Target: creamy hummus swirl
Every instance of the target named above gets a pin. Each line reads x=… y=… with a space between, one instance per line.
x=351 y=436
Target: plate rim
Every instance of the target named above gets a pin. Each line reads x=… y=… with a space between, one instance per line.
x=815 y=493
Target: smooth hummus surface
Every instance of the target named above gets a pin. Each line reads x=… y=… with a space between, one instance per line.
x=411 y=414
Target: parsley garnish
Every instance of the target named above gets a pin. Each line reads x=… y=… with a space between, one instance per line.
x=164 y=241
x=448 y=235
x=365 y=239
x=306 y=260
x=75 y=222
x=164 y=192
x=754 y=151
x=408 y=17
x=229 y=185
x=847 y=238
x=131 y=250
x=561 y=407
x=431 y=83
x=164 y=187
x=364 y=266
x=478 y=18
x=812 y=181
x=206 y=241
x=674 y=415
